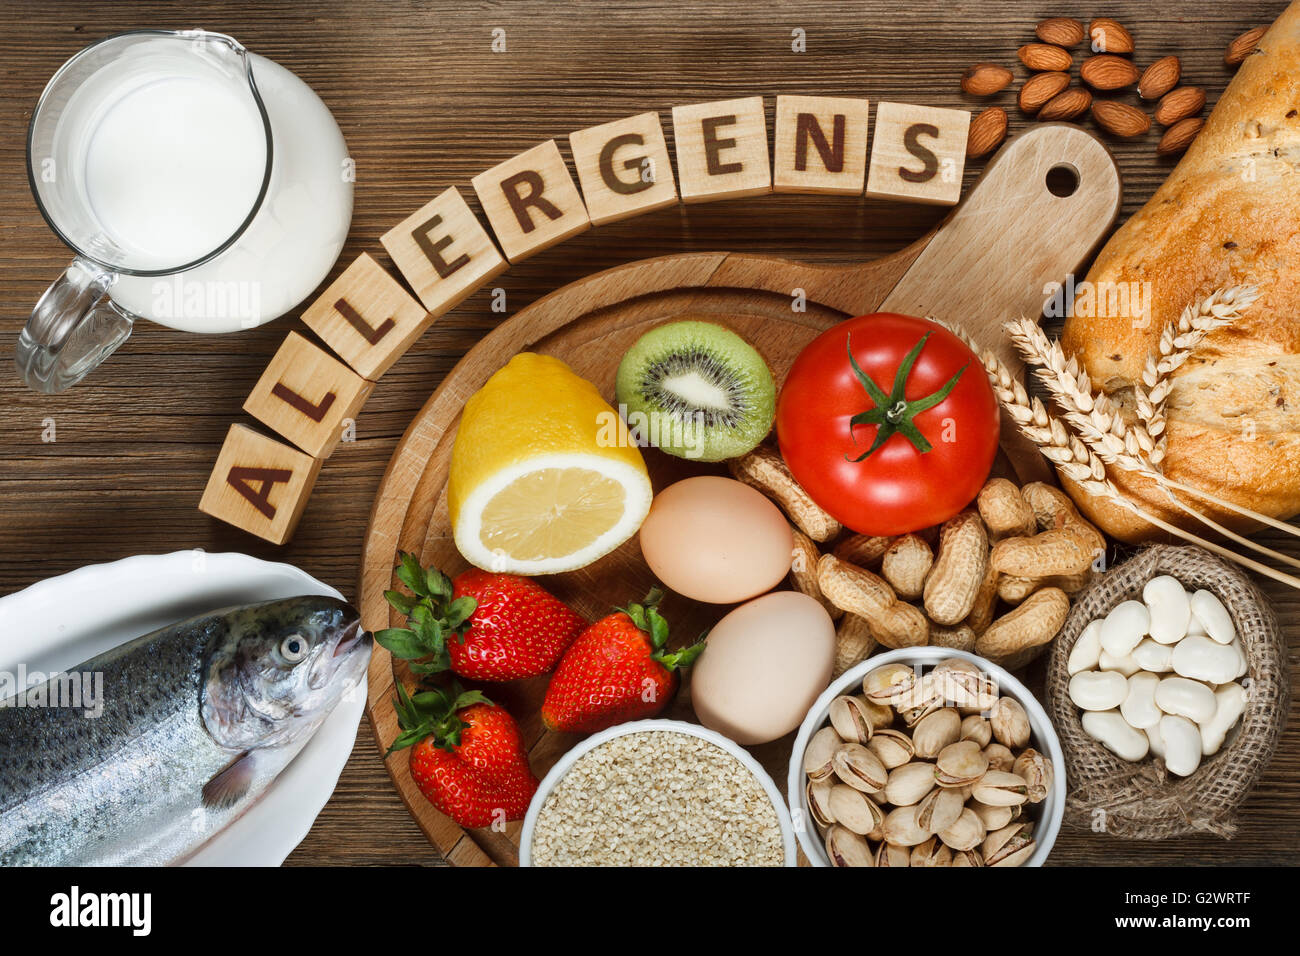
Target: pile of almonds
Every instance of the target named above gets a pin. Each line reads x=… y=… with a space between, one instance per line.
x=1049 y=96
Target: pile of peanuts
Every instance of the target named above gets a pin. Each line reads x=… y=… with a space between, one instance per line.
x=995 y=579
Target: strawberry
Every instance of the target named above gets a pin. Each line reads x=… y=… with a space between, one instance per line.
x=482 y=626
x=466 y=755
x=618 y=669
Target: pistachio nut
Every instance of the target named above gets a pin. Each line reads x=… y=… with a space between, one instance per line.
x=909 y=783
x=1037 y=773
x=850 y=719
x=855 y=810
x=939 y=810
x=882 y=684
x=1000 y=756
x=1017 y=857
x=960 y=764
x=818 y=793
x=933 y=852
x=967 y=858
x=888 y=854
x=995 y=818
x=880 y=715
x=964 y=833
x=893 y=747
x=975 y=727
x=936 y=731
x=1009 y=841
x=964 y=685
x=922 y=695
x=821 y=750
x=1000 y=788
x=1010 y=723
x=861 y=769
x=901 y=829
x=846 y=848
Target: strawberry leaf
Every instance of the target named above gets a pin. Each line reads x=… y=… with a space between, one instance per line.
x=433 y=714
x=401 y=643
x=403 y=602
x=676 y=660
x=431 y=615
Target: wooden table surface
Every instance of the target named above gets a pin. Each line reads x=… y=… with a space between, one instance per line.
x=425 y=103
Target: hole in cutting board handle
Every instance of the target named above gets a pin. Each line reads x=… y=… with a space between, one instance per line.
x=1062 y=180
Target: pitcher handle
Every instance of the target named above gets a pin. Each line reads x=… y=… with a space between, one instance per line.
x=73 y=328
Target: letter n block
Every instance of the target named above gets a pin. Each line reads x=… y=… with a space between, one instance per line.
x=259 y=485
x=531 y=201
x=624 y=168
x=722 y=150
x=444 y=252
x=918 y=154
x=821 y=145
x=306 y=395
x=367 y=318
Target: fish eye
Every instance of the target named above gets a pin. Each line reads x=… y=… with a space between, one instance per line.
x=293 y=648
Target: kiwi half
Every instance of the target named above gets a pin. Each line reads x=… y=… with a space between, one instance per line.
x=696 y=390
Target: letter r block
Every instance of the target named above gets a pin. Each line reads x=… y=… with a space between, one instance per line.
x=918 y=154
x=259 y=485
x=531 y=201
x=821 y=145
x=624 y=168
x=722 y=150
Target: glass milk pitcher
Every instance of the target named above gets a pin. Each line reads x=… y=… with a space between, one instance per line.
x=199 y=185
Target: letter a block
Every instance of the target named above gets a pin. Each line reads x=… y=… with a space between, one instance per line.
x=722 y=150
x=531 y=201
x=306 y=394
x=918 y=154
x=367 y=318
x=624 y=168
x=821 y=145
x=259 y=485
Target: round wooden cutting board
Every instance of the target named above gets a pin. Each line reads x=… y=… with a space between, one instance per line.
x=1042 y=206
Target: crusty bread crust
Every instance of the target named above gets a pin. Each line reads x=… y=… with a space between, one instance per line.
x=1229 y=214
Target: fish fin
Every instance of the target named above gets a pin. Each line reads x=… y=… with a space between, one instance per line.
x=230 y=783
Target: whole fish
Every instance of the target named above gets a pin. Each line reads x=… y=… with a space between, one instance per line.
x=194 y=722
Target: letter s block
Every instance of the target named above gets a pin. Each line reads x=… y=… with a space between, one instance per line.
x=259 y=485
x=918 y=154
x=624 y=168
x=531 y=201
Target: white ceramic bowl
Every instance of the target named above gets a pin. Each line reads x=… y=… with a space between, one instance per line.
x=640 y=726
x=1051 y=810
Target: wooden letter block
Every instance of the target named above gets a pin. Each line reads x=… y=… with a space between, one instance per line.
x=624 y=168
x=722 y=150
x=306 y=394
x=531 y=201
x=367 y=318
x=821 y=145
x=918 y=154
x=259 y=485
x=444 y=252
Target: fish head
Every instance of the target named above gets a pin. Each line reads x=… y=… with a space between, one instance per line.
x=279 y=668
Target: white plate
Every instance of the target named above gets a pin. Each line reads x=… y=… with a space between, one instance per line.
x=66 y=620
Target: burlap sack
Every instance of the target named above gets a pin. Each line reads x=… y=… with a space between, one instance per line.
x=1142 y=801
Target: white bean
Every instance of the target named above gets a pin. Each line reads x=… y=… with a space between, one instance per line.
x=1231 y=701
x=1139 y=707
x=1122 y=665
x=1243 y=665
x=1170 y=608
x=1156 y=741
x=1185 y=698
x=1153 y=657
x=1112 y=730
x=1182 y=742
x=1098 y=690
x=1087 y=648
x=1124 y=628
x=1214 y=617
x=1202 y=658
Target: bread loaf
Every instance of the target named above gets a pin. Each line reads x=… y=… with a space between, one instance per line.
x=1229 y=214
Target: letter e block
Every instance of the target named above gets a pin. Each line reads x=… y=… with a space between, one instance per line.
x=444 y=252
x=305 y=394
x=259 y=485
x=367 y=318
x=624 y=168
x=821 y=145
x=722 y=150
x=531 y=201
x=918 y=154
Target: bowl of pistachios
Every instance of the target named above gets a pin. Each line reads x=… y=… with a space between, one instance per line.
x=926 y=756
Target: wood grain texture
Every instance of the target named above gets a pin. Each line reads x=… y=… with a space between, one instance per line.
x=425 y=104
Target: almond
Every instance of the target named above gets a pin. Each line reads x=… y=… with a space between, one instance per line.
x=1040 y=88
x=1160 y=77
x=1108 y=72
x=1179 y=104
x=1243 y=46
x=987 y=130
x=985 y=79
x=1060 y=31
x=1120 y=119
x=1042 y=57
x=1179 y=136
x=1108 y=36
x=1069 y=105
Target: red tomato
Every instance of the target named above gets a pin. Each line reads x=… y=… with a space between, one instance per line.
x=936 y=448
